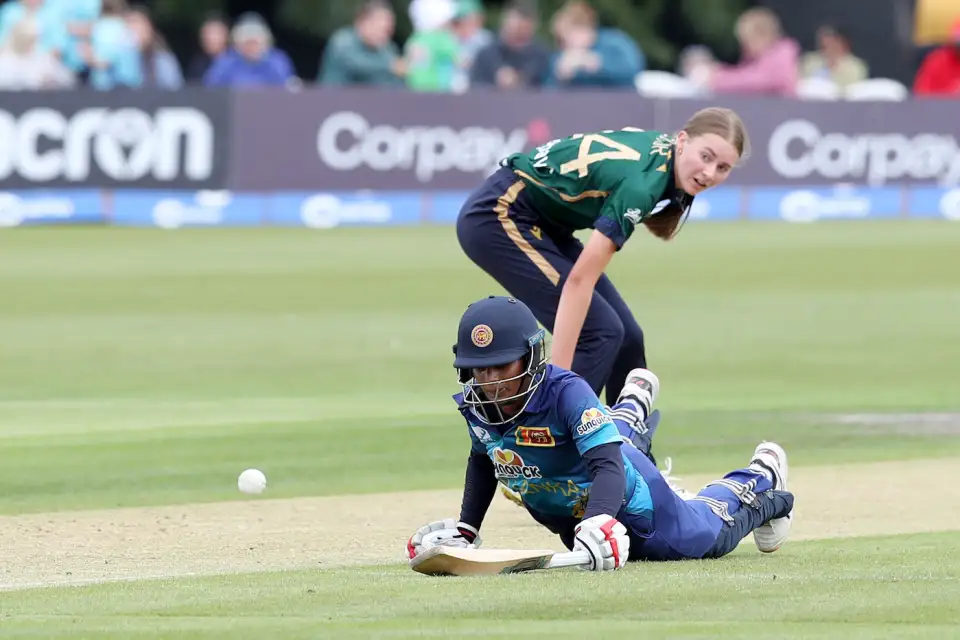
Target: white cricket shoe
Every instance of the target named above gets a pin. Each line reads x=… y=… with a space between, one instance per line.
x=642 y=387
x=770 y=459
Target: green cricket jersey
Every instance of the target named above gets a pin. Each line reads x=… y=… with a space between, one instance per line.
x=610 y=181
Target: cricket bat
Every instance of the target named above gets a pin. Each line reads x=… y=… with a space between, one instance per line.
x=455 y=561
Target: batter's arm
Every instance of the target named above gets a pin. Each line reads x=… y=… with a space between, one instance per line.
x=479 y=487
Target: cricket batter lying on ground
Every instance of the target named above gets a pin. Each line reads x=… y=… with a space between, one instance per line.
x=582 y=469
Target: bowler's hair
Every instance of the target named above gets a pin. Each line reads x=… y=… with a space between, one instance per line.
x=724 y=123
x=717 y=120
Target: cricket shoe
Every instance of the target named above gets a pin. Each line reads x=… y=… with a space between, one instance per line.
x=770 y=459
x=642 y=387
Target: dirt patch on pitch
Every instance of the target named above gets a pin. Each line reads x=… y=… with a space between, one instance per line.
x=269 y=535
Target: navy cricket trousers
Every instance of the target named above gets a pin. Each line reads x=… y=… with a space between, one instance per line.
x=501 y=233
x=710 y=525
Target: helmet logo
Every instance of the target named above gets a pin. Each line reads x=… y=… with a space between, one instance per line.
x=482 y=335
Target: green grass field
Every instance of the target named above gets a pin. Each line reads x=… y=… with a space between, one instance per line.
x=141 y=371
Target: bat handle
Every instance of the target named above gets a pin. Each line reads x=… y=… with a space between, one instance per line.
x=569 y=559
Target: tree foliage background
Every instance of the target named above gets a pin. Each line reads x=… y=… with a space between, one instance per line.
x=661 y=27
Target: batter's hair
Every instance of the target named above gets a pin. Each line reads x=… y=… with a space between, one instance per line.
x=716 y=120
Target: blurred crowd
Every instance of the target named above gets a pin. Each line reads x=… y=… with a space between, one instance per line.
x=110 y=44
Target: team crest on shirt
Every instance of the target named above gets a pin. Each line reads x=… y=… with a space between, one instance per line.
x=482 y=335
x=591 y=420
x=535 y=437
x=663 y=145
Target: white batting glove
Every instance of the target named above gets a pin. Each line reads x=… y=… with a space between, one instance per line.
x=606 y=540
x=447 y=532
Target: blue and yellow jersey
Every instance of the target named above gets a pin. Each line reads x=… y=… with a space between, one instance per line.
x=539 y=453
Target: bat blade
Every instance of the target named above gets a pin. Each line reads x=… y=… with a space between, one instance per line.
x=453 y=561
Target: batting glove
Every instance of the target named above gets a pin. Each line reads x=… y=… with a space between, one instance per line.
x=447 y=532
x=606 y=540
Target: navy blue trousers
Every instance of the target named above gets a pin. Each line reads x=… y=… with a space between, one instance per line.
x=530 y=258
x=710 y=526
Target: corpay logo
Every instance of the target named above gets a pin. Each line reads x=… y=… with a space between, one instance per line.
x=324 y=211
x=347 y=141
x=42 y=145
x=14 y=210
x=799 y=149
x=207 y=210
x=808 y=206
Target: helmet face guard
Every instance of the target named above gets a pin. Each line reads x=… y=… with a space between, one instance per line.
x=485 y=399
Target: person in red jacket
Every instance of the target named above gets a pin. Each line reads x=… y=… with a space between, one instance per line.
x=939 y=75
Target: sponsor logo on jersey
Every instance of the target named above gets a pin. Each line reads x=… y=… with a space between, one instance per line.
x=635 y=216
x=591 y=420
x=535 y=437
x=482 y=335
x=510 y=465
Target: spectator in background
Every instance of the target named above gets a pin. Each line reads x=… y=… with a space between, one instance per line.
x=939 y=75
x=78 y=18
x=432 y=52
x=46 y=18
x=590 y=56
x=111 y=55
x=214 y=40
x=159 y=68
x=25 y=66
x=769 y=61
x=253 y=61
x=833 y=59
x=695 y=63
x=364 y=53
x=473 y=36
x=516 y=60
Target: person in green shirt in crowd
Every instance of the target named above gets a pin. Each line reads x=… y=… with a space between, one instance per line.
x=433 y=50
x=364 y=53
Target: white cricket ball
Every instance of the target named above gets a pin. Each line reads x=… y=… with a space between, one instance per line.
x=252 y=481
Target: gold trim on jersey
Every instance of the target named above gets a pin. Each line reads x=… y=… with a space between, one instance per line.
x=566 y=198
x=502 y=210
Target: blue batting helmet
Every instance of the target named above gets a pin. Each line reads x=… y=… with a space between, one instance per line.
x=494 y=332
